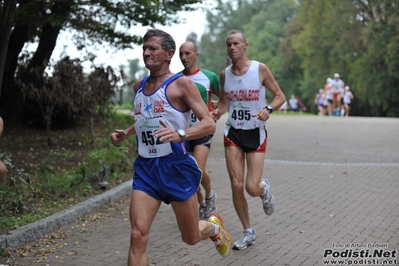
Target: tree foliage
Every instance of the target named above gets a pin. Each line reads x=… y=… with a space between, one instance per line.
x=265 y=37
x=264 y=23
x=229 y=15
x=67 y=93
x=129 y=75
x=358 y=39
x=305 y=42
x=92 y=22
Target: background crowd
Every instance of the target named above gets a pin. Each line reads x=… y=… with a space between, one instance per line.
x=333 y=100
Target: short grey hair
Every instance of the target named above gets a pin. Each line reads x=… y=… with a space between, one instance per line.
x=237 y=31
x=167 y=41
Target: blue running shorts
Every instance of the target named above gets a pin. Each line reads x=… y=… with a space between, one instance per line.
x=167 y=178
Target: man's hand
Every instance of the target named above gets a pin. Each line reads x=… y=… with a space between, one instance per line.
x=262 y=115
x=117 y=137
x=216 y=114
x=166 y=134
x=214 y=104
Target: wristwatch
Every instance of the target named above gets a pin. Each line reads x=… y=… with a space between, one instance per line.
x=182 y=134
x=269 y=108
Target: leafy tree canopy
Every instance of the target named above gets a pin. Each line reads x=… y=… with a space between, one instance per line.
x=92 y=22
x=305 y=42
x=359 y=40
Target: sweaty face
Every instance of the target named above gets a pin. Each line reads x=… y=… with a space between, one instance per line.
x=188 y=55
x=236 y=45
x=153 y=54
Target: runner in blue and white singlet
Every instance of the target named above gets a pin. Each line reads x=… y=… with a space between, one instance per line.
x=164 y=170
x=162 y=158
x=148 y=110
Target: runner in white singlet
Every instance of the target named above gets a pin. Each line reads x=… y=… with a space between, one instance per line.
x=348 y=97
x=243 y=95
x=337 y=86
x=329 y=96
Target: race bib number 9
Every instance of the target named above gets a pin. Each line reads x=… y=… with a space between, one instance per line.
x=193 y=120
x=149 y=145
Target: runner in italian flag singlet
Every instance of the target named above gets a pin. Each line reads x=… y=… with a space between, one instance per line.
x=205 y=81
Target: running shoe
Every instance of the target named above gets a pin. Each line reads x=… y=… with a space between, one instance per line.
x=268 y=199
x=211 y=205
x=245 y=241
x=223 y=239
x=202 y=213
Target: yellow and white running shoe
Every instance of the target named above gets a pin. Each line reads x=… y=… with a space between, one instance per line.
x=223 y=239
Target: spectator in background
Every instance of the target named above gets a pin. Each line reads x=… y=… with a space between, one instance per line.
x=319 y=101
x=284 y=107
x=301 y=105
x=293 y=102
x=348 y=97
x=3 y=168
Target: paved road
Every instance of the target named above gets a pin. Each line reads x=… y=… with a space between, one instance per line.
x=336 y=186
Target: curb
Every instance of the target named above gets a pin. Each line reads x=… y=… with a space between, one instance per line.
x=31 y=232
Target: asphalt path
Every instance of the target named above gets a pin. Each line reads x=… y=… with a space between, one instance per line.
x=336 y=186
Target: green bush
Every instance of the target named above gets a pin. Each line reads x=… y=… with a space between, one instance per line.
x=47 y=189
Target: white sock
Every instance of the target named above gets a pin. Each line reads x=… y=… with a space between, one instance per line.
x=216 y=230
x=249 y=230
x=264 y=192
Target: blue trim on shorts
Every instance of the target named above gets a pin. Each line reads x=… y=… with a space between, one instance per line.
x=168 y=178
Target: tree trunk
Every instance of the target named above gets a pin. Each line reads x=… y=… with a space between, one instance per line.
x=11 y=94
x=48 y=118
x=121 y=96
x=40 y=59
x=91 y=129
x=7 y=17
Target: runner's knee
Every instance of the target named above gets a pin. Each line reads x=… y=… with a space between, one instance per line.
x=253 y=191
x=190 y=239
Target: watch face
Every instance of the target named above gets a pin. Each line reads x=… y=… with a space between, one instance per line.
x=181 y=132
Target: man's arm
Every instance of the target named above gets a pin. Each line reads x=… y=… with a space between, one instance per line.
x=193 y=100
x=267 y=80
x=183 y=94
